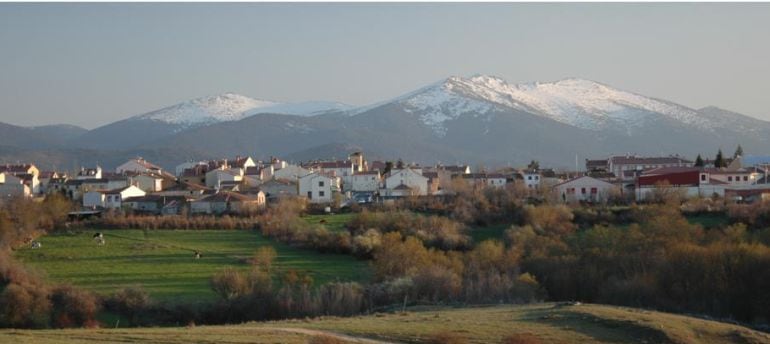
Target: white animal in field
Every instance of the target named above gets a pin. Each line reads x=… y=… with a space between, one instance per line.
x=99 y=238
x=36 y=244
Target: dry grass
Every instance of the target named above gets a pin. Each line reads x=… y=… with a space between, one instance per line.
x=529 y=324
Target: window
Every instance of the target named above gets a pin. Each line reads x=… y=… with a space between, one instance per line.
x=310 y=194
x=320 y=184
x=729 y=178
x=703 y=177
x=570 y=191
x=583 y=191
x=745 y=178
x=594 y=191
x=529 y=177
x=537 y=177
x=321 y=194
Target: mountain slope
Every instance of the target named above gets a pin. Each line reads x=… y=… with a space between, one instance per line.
x=191 y=114
x=486 y=120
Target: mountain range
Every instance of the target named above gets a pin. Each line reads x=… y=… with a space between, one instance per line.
x=479 y=119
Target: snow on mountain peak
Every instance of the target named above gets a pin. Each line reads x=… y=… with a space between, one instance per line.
x=232 y=107
x=578 y=102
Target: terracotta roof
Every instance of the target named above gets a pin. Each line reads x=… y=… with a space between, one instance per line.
x=146 y=164
x=483 y=176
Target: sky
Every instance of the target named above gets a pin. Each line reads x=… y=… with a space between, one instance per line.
x=91 y=64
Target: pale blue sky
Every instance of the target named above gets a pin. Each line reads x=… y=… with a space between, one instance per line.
x=91 y=64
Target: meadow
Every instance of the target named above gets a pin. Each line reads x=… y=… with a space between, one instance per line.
x=162 y=261
x=539 y=323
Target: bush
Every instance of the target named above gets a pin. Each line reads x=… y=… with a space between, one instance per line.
x=230 y=284
x=73 y=307
x=130 y=302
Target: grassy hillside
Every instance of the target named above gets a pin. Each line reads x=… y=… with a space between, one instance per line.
x=162 y=260
x=544 y=323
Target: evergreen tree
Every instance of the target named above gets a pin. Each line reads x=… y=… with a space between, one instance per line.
x=698 y=161
x=720 y=160
x=738 y=152
x=388 y=167
x=534 y=165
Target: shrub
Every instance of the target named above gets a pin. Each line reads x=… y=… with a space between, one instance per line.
x=230 y=283
x=72 y=307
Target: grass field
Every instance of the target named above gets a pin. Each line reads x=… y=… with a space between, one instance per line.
x=549 y=323
x=162 y=260
x=480 y=234
x=332 y=222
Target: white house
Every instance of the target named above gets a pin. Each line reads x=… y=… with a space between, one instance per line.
x=485 y=179
x=318 y=188
x=416 y=182
x=290 y=172
x=531 y=179
x=11 y=185
x=148 y=182
x=585 y=189
x=214 y=178
x=89 y=173
x=368 y=181
x=112 y=199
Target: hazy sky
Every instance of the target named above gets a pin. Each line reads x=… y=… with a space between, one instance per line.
x=91 y=64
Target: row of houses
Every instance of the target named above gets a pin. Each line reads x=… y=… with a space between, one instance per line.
x=640 y=177
x=240 y=183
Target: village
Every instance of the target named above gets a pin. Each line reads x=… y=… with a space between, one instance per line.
x=241 y=184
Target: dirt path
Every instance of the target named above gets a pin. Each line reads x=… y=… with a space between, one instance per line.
x=347 y=338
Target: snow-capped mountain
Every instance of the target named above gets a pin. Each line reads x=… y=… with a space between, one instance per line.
x=581 y=103
x=232 y=107
x=473 y=119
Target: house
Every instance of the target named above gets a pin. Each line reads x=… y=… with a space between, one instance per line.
x=584 y=189
x=290 y=172
x=691 y=181
x=531 y=178
x=368 y=181
x=278 y=188
x=179 y=169
x=11 y=186
x=195 y=175
x=138 y=165
x=148 y=182
x=186 y=189
x=434 y=182
x=319 y=187
x=417 y=183
x=629 y=166
x=241 y=162
x=111 y=199
x=28 y=173
x=89 y=173
x=337 y=168
x=155 y=204
x=214 y=178
x=482 y=180
x=226 y=202
x=258 y=174
x=46 y=177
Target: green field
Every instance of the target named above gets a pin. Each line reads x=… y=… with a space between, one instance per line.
x=332 y=222
x=546 y=323
x=162 y=260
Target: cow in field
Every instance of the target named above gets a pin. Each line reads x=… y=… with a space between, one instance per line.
x=36 y=244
